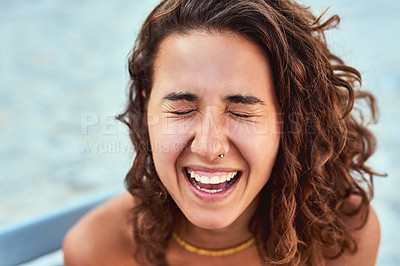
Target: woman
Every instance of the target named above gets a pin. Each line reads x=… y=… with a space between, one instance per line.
x=247 y=152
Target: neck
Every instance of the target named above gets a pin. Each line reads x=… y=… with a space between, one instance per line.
x=234 y=234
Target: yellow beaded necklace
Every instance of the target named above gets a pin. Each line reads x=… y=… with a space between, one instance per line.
x=214 y=253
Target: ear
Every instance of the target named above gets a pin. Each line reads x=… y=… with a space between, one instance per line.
x=144 y=94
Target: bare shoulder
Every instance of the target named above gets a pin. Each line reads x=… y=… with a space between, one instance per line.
x=368 y=240
x=103 y=235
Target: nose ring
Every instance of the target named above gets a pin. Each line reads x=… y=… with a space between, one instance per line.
x=222 y=155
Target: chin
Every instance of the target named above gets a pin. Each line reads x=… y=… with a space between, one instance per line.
x=211 y=221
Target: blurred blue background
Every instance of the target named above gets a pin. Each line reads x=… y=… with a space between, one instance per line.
x=63 y=78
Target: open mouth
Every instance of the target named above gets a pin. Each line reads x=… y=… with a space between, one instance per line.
x=214 y=184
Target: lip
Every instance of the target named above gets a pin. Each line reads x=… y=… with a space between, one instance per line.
x=210 y=197
x=211 y=170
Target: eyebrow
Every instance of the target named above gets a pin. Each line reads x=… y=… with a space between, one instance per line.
x=181 y=96
x=191 y=97
x=243 y=99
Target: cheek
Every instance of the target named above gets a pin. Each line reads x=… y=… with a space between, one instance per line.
x=259 y=145
x=259 y=151
x=168 y=139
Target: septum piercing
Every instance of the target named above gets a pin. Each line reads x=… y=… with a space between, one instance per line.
x=222 y=155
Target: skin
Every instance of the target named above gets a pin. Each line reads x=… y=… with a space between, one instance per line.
x=201 y=66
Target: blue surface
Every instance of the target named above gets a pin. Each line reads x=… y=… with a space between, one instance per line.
x=32 y=238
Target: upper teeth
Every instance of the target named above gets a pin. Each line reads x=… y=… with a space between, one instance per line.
x=212 y=179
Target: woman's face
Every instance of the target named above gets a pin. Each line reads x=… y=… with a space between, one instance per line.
x=213 y=94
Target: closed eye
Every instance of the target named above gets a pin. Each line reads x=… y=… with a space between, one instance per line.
x=184 y=113
x=240 y=115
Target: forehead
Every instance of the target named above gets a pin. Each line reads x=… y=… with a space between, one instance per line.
x=211 y=62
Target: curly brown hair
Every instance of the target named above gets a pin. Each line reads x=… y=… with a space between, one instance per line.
x=323 y=146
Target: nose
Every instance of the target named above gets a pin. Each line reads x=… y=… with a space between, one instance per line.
x=210 y=139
